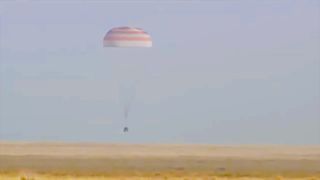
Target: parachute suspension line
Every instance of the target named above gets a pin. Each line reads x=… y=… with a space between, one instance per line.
x=127 y=95
x=127 y=105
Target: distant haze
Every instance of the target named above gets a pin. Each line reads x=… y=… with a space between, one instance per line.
x=219 y=72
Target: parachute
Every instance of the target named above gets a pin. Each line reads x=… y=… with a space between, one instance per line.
x=127 y=37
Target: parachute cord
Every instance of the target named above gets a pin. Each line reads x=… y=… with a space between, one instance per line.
x=128 y=96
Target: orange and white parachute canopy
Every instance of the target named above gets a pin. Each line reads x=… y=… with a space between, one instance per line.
x=127 y=37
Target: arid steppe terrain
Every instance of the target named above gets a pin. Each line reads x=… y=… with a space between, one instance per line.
x=23 y=160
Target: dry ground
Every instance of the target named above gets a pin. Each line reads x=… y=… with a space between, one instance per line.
x=133 y=161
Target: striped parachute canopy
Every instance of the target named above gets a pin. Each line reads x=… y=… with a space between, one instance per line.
x=127 y=37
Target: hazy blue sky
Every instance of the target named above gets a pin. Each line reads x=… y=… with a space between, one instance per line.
x=226 y=72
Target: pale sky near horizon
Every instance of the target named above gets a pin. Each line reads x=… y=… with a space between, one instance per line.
x=220 y=72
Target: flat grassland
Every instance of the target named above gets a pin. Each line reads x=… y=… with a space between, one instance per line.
x=94 y=161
